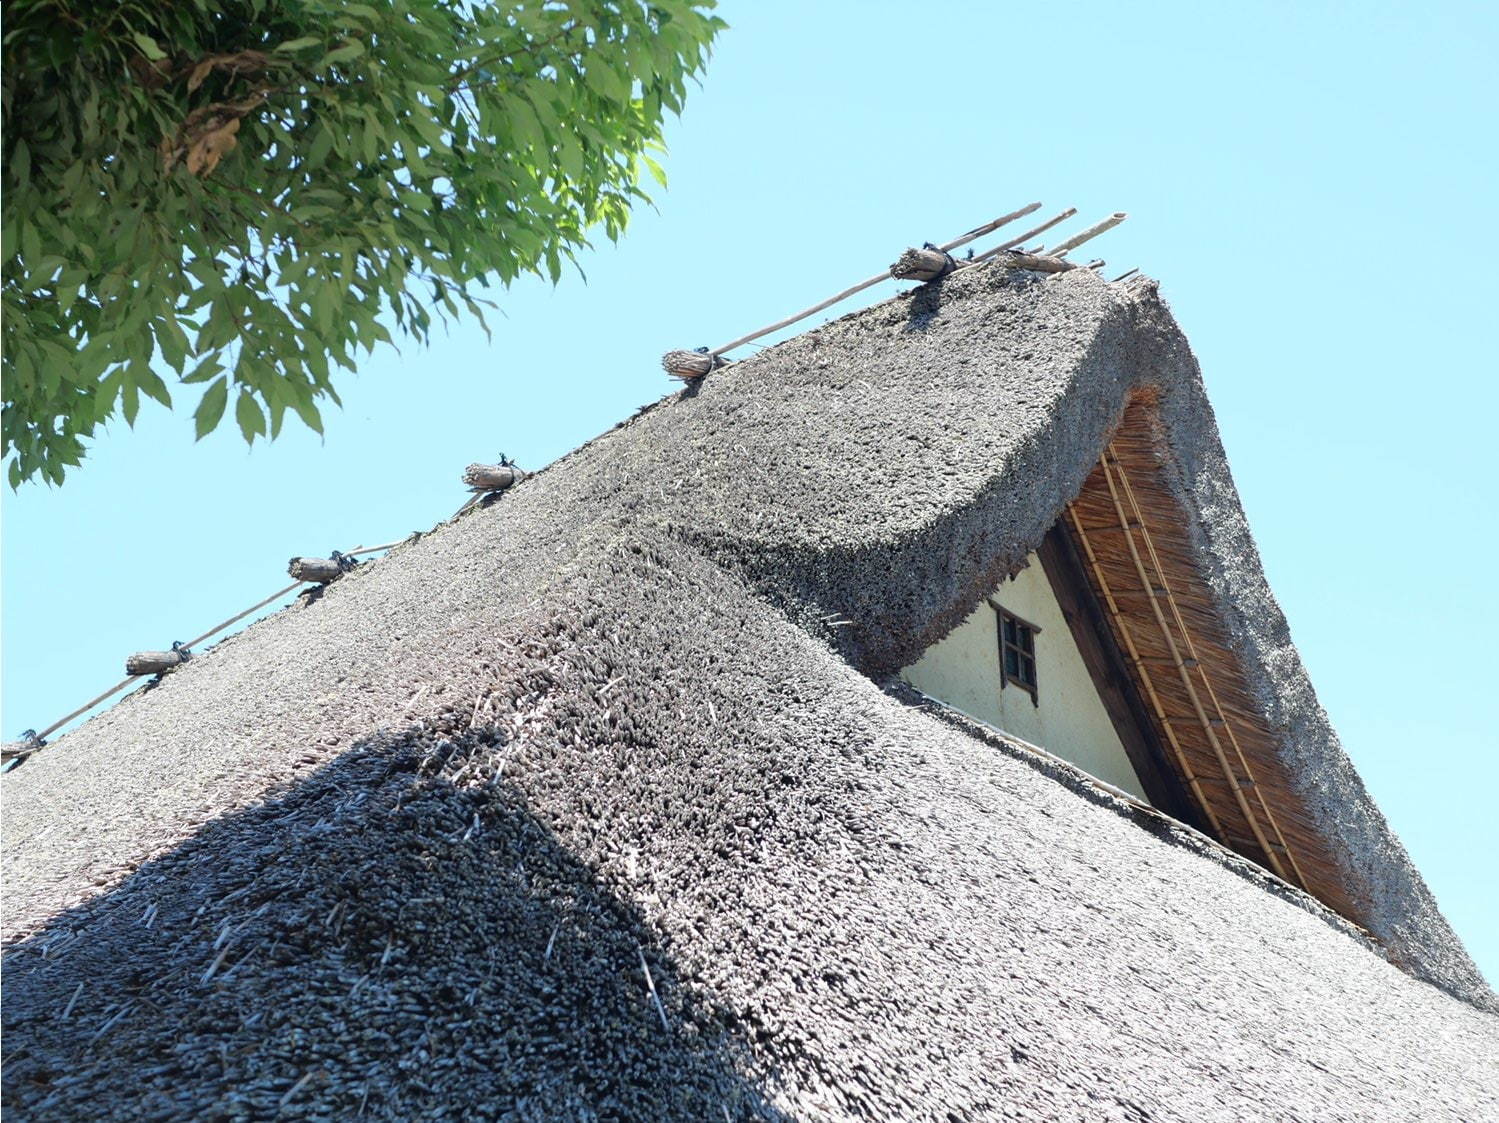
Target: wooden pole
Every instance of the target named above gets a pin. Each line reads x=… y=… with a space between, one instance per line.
x=492 y=477
x=1063 y=248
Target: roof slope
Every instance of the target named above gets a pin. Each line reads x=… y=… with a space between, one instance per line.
x=411 y=847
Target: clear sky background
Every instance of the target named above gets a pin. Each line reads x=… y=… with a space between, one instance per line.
x=1313 y=183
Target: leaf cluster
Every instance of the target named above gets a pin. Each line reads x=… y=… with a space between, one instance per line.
x=246 y=193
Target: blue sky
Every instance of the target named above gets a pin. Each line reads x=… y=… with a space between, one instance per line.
x=1313 y=183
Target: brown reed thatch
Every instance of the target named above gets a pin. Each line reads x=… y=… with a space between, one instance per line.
x=600 y=803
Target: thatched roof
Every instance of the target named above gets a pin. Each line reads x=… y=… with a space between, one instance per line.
x=409 y=848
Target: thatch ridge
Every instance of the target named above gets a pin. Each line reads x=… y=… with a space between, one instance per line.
x=593 y=699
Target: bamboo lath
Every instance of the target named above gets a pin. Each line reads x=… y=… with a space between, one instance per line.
x=1133 y=535
x=1160 y=594
x=1140 y=663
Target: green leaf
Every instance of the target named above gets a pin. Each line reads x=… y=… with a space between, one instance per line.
x=149 y=48
x=203 y=371
x=19 y=168
x=249 y=417
x=151 y=384
x=309 y=414
x=105 y=394
x=130 y=401
x=418 y=140
x=527 y=126
x=606 y=82
x=211 y=409
x=318 y=151
x=31 y=243
x=353 y=48
x=172 y=342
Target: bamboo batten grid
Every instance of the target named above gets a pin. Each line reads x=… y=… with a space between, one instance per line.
x=926 y=264
x=1133 y=537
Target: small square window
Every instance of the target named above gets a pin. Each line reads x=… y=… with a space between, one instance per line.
x=1017 y=652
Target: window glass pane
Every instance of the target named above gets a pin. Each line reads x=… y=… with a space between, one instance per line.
x=1027 y=640
x=1028 y=672
x=1012 y=662
x=1009 y=630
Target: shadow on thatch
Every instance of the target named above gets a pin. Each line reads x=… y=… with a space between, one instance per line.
x=388 y=937
x=924 y=304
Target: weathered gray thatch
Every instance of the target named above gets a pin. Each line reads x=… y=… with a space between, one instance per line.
x=404 y=849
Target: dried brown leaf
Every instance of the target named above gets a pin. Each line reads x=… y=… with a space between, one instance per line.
x=200 y=72
x=211 y=147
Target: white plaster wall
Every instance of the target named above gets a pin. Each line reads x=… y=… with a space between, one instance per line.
x=963 y=670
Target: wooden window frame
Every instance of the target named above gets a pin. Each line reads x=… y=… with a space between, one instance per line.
x=1023 y=658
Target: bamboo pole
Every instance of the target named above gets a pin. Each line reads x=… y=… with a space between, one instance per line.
x=1063 y=248
x=1014 y=259
x=836 y=298
x=1176 y=654
x=277 y=595
x=89 y=705
x=869 y=282
x=930 y=262
x=922 y=265
x=1193 y=780
x=1220 y=721
x=989 y=227
x=1026 y=237
x=134 y=680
